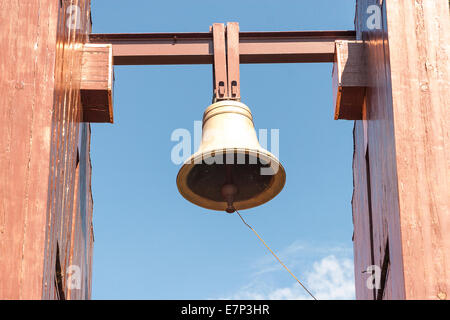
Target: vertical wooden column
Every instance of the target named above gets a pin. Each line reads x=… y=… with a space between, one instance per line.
x=419 y=52
x=40 y=148
x=401 y=166
x=375 y=196
x=27 y=68
x=69 y=213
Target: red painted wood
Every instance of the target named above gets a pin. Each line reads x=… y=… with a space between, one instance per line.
x=234 y=86
x=406 y=135
x=69 y=211
x=39 y=137
x=197 y=48
x=220 y=61
x=420 y=77
x=376 y=135
x=26 y=100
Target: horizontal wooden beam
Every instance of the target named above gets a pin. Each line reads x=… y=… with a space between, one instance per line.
x=197 y=48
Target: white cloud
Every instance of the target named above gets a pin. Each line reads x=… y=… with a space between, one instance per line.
x=296 y=254
x=332 y=278
x=328 y=278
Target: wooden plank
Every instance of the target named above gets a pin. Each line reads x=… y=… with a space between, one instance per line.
x=67 y=207
x=406 y=133
x=26 y=101
x=40 y=112
x=234 y=85
x=220 y=61
x=361 y=220
x=420 y=73
x=375 y=136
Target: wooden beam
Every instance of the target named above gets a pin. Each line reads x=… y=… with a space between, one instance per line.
x=197 y=48
x=349 y=80
x=97 y=83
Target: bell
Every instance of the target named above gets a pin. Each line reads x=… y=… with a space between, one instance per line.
x=230 y=171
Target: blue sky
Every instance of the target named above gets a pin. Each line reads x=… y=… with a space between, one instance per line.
x=150 y=243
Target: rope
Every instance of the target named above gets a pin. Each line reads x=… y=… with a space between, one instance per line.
x=287 y=269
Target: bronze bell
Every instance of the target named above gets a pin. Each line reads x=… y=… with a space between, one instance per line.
x=230 y=170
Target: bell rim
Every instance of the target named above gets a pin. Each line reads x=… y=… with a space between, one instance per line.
x=276 y=186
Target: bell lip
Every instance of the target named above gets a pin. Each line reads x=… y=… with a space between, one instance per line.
x=276 y=187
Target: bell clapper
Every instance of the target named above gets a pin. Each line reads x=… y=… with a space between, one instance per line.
x=228 y=192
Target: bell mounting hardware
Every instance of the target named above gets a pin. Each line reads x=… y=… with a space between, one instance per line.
x=226 y=61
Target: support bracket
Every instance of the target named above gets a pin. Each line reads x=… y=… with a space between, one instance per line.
x=349 y=80
x=96 y=87
x=226 y=84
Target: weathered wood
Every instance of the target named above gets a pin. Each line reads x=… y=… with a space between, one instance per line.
x=27 y=66
x=349 y=80
x=420 y=75
x=374 y=137
x=40 y=122
x=97 y=76
x=405 y=135
x=69 y=208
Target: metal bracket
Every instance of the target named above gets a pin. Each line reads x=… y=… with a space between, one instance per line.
x=226 y=61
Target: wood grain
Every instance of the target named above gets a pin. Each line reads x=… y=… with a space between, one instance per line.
x=97 y=75
x=349 y=80
x=40 y=114
x=69 y=198
x=27 y=66
x=405 y=134
x=375 y=137
x=419 y=55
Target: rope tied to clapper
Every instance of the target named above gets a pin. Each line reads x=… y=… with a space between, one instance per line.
x=229 y=191
x=273 y=253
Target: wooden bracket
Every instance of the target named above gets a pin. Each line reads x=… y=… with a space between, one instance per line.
x=96 y=88
x=349 y=80
x=234 y=86
x=220 y=62
x=226 y=61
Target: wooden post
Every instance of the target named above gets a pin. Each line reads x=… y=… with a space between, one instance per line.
x=44 y=151
x=401 y=161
